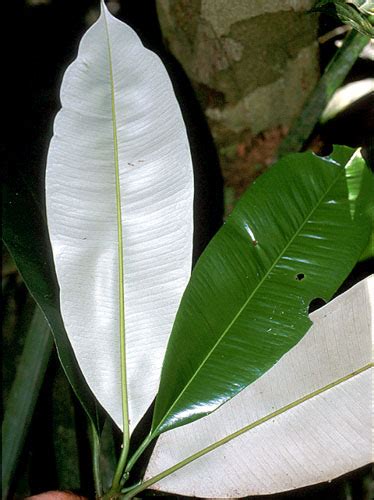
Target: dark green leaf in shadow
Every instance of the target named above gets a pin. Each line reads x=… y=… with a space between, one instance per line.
x=294 y=236
x=65 y=435
x=107 y=459
x=24 y=394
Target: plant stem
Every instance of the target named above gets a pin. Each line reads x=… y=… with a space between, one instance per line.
x=139 y=452
x=332 y=78
x=95 y=443
x=123 y=468
x=137 y=489
x=116 y=485
x=24 y=393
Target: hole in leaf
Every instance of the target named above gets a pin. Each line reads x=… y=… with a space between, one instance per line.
x=316 y=304
x=325 y=150
x=300 y=276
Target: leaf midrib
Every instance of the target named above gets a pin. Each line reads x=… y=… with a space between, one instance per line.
x=125 y=411
x=243 y=430
x=157 y=430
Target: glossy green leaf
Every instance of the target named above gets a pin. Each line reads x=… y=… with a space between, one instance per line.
x=364 y=189
x=294 y=236
x=368 y=253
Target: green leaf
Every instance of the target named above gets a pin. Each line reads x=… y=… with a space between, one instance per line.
x=24 y=394
x=25 y=235
x=366 y=6
x=65 y=434
x=354 y=188
x=358 y=21
x=358 y=15
x=368 y=253
x=294 y=236
x=107 y=458
x=307 y=420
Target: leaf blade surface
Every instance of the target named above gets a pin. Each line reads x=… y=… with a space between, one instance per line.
x=247 y=300
x=119 y=132
x=307 y=420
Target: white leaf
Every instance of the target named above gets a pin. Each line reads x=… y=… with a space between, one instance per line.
x=119 y=109
x=324 y=436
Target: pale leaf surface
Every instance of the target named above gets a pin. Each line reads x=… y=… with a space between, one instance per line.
x=147 y=138
x=317 y=440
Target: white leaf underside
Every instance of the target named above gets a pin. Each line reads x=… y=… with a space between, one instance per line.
x=156 y=195
x=317 y=440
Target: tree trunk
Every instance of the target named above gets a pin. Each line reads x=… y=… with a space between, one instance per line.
x=252 y=64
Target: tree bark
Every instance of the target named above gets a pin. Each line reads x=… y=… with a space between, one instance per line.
x=252 y=63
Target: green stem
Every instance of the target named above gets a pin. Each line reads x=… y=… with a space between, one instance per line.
x=117 y=480
x=130 y=494
x=95 y=443
x=332 y=78
x=139 y=452
x=124 y=470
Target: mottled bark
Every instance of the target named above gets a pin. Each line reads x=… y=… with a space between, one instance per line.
x=252 y=62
